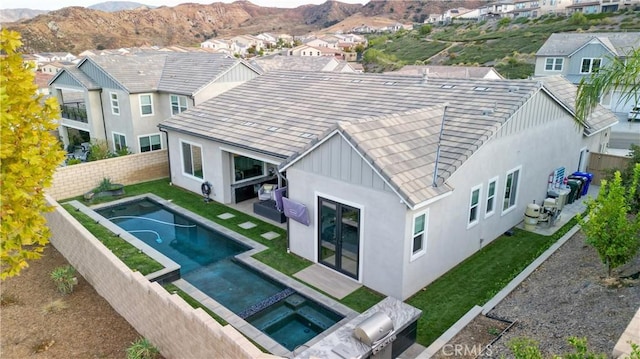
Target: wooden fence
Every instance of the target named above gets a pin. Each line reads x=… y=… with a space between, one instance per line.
x=600 y=164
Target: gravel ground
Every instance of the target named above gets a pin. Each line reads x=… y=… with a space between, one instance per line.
x=566 y=296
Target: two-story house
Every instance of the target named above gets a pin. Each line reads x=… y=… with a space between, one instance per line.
x=121 y=99
x=577 y=55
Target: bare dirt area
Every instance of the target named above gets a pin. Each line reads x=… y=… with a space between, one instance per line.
x=568 y=295
x=39 y=322
x=473 y=338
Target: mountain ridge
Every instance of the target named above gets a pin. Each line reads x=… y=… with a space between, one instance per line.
x=76 y=29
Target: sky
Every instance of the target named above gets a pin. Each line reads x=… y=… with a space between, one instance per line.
x=58 y=4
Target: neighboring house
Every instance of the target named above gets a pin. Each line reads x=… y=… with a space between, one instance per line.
x=392 y=180
x=215 y=44
x=499 y=9
x=460 y=72
x=301 y=63
x=306 y=50
x=577 y=55
x=121 y=99
x=247 y=41
x=55 y=67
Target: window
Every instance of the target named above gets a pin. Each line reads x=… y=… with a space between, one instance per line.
x=246 y=168
x=178 y=104
x=192 y=160
x=491 y=197
x=511 y=190
x=146 y=105
x=474 y=205
x=553 y=64
x=150 y=143
x=418 y=244
x=119 y=142
x=590 y=65
x=115 y=104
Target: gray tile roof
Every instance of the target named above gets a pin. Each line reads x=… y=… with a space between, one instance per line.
x=296 y=63
x=136 y=73
x=182 y=73
x=187 y=73
x=560 y=87
x=282 y=113
x=78 y=76
x=564 y=44
x=403 y=148
x=461 y=72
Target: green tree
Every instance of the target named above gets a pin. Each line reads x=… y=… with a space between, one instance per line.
x=611 y=229
x=620 y=74
x=425 y=30
x=29 y=156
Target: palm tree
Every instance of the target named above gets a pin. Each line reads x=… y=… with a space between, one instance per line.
x=621 y=74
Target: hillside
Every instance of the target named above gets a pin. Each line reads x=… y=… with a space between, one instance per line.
x=112 y=6
x=77 y=29
x=11 y=15
x=510 y=46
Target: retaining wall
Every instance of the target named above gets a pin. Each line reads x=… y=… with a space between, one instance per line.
x=75 y=180
x=174 y=327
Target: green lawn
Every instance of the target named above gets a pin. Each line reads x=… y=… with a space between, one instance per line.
x=443 y=302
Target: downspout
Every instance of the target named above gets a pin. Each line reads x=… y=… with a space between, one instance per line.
x=435 y=171
x=104 y=123
x=166 y=134
x=281 y=177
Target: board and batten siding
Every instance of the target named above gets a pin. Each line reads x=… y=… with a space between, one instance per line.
x=594 y=50
x=537 y=111
x=336 y=158
x=66 y=80
x=99 y=76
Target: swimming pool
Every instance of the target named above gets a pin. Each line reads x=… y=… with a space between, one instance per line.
x=208 y=261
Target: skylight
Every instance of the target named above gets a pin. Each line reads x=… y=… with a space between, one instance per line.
x=480 y=88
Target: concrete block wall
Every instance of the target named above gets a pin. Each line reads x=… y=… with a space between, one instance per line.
x=165 y=319
x=75 y=180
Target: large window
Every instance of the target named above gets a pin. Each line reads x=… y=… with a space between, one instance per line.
x=115 y=104
x=339 y=236
x=119 y=142
x=246 y=168
x=474 y=205
x=491 y=197
x=178 y=104
x=590 y=65
x=553 y=64
x=418 y=243
x=146 y=105
x=150 y=143
x=511 y=190
x=192 y=160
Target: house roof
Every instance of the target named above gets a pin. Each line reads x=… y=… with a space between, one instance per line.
x=176 y=72
x=565 y=44
x=403 y=149
x=136 y=73
x=565 y=91
x=461 y=72
x=78 y=76
x=188 y=74
x=296 y=63
x=304 y=106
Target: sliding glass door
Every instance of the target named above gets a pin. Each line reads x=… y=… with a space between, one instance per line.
x=339 y=233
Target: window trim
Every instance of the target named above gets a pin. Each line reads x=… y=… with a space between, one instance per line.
x=590 y=64
x=191 y=144
x=488 y=213
x=554 y=64
x=422 y=251
x=515 y=200
x=141 y=105
x=150 y=146
x=113 y=134
x=178 y=97
x=117 y=106
x=478 y=206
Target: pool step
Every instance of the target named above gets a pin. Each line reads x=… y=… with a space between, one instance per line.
x=266 y=303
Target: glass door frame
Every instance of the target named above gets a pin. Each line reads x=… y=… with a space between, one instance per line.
x=338 y=234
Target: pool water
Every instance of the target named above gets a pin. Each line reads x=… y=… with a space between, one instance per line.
x=207 y=262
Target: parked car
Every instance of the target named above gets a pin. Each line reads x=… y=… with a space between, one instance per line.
x=634 y=113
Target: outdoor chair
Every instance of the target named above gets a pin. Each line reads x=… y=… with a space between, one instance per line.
x=266 y=191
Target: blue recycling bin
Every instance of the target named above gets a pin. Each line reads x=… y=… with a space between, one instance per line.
x=589 y=177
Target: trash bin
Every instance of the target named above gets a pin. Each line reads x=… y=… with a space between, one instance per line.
x=589 y=177
x=574 y=185
x=562 y=194
x=583 y=184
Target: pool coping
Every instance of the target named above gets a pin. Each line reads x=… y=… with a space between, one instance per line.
x=245 y=257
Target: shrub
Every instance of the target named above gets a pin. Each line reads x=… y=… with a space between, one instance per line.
x=142 y=349
x=64 y=278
